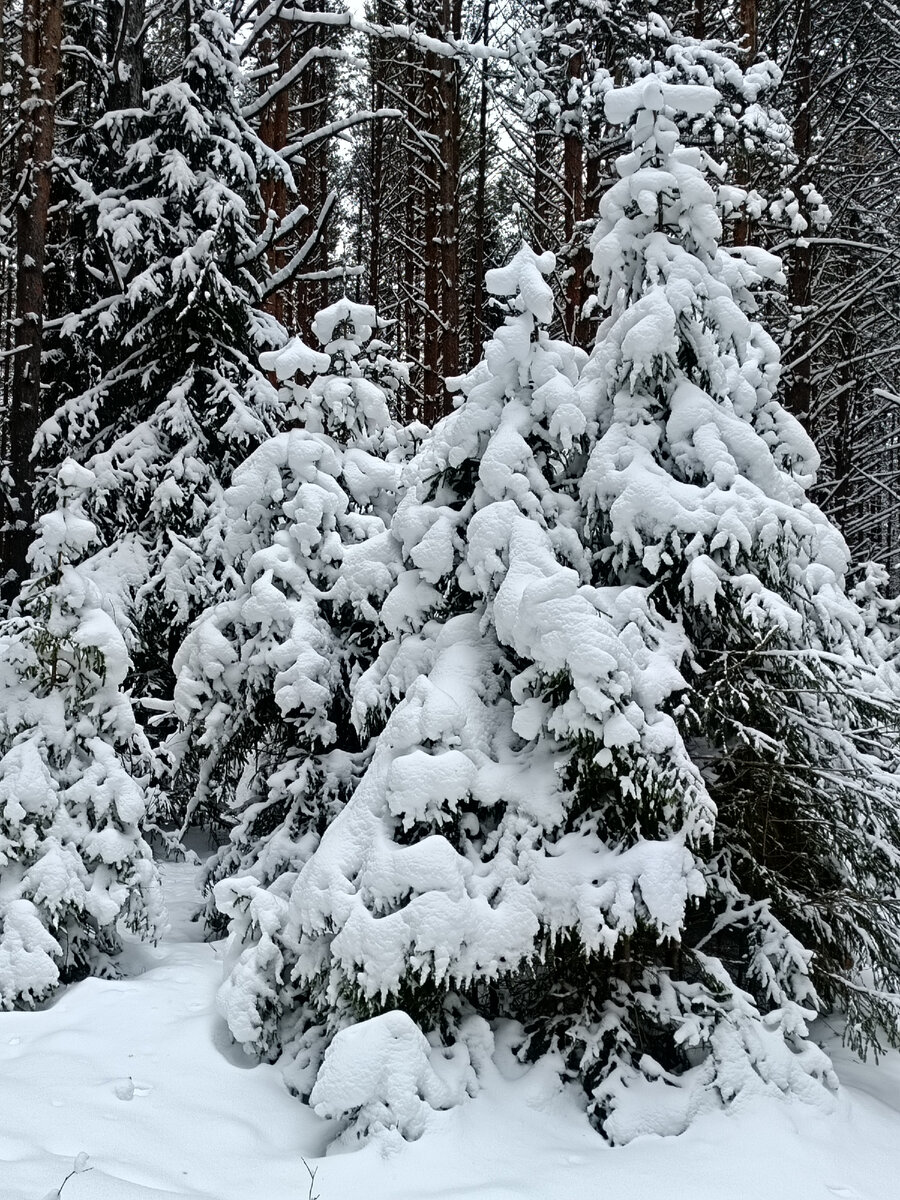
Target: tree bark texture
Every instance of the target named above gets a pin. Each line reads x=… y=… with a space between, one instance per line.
x=276 y=49
x=799 y=383
x=42 y=22
x=126 y=25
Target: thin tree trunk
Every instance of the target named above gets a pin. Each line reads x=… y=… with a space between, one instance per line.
x=543 y=200
x=376 y=170
x=450 y=136
x=276 y=49
x=699 y=22
x=433 y=384
x=749 y=29
x=748 y=42
x=478 y=256
x=312 y=182
x=799 y=385
x=7 y=272
x=573 y=177
x=413 y=217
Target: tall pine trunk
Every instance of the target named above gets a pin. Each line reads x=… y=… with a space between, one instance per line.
x=126 y=26
x=573 y=176
x=42 y=22
x=476 y=314
x=433 y=384
x=450 y=135
x=276 y=49
x=798 y=392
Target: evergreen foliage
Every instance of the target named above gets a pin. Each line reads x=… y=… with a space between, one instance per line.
x=75 y=868
x=696 y=488
x=175 y=397
x=632 y=788
x=266 y=675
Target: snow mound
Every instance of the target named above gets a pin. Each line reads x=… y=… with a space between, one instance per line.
x=378 y=1076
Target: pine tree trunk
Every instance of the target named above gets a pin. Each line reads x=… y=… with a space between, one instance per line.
x=748 y=42
x=476 y=316
x=126 y=37
x=749 y=29
x=798 y=394
x=450 y=134
x=7 y=271
x=413 y=217
x=42 y=22
x=573 y=176
x=276 y=48
x=433 y=384
x=543 y=173
x=376 y=170
x=699 y=19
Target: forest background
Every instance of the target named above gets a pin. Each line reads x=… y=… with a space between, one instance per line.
x=417 y=145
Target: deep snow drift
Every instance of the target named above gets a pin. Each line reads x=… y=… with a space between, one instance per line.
x=139 y=1075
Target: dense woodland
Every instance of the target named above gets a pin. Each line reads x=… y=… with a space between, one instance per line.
x=413 y=148
x=452 y=452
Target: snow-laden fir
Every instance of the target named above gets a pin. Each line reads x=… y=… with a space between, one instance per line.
x=76 y=869
x=164 y=395
x=265 y=676
x=629 y=788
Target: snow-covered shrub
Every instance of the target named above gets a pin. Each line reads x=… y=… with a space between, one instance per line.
x=879 y=609
x=74 y=867
x=457 y=720
x=379 y=1075
x=265 y=677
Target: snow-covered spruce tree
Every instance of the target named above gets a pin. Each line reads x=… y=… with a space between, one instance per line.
x=177 y=398
x=449 y=870
x=74 y=868
x=696 y=490
x=265 y=675
x=632 y=789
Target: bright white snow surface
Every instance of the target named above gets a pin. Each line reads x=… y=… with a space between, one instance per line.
x=139 y=1075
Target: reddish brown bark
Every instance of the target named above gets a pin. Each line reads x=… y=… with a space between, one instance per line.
x=276 y=48
x=749 y=29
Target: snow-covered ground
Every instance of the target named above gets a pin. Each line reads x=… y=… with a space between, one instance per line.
x=139 y=1075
